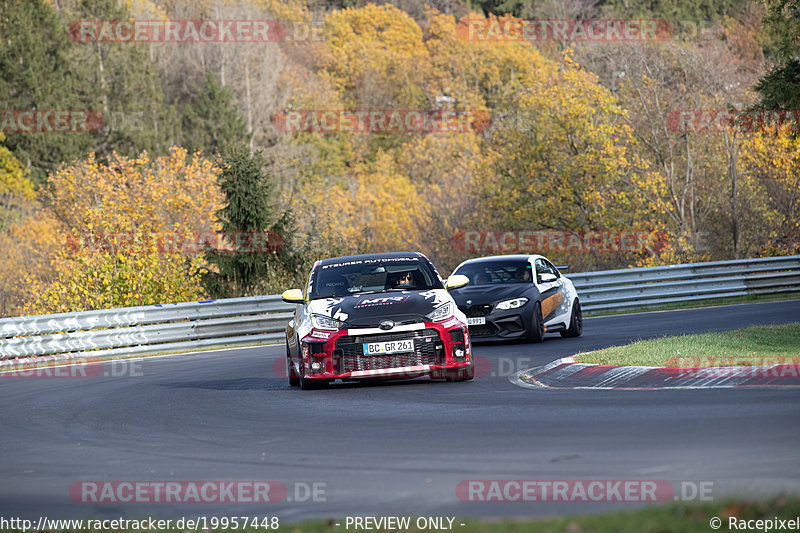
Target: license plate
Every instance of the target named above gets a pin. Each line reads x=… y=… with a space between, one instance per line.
x=476 y=321
x=379 y=348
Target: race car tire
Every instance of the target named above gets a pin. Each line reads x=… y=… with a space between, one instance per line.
x=575 y=322
x=464 y=373
x=294 y=379
x=536 y=331
x=311 y=384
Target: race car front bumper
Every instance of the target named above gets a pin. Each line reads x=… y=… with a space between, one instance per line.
x=487 y=323
x=414 y=350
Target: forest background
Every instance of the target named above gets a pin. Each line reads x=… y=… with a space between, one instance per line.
x=565 y=137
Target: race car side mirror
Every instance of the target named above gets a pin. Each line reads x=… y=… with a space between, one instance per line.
x=547 y=277
x=292 y=296
x=456 y=281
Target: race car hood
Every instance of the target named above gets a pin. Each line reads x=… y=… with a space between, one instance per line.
x=368 y=310
x=490 y=294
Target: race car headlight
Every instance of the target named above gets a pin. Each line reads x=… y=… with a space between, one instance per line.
x=326 y=322
x=442 y=312
x=512 y=304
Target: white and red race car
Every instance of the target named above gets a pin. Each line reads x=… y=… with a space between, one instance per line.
x=376 y=316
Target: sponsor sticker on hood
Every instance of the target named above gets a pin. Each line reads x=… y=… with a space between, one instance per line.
x=381 y=300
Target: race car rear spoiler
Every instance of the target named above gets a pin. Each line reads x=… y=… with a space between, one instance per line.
x=562 y=267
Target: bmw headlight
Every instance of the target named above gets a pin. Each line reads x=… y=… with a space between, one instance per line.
x=326 y=322
x=512 y=304
x=442 y=312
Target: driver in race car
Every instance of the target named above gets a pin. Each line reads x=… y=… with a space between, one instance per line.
x=404 y=279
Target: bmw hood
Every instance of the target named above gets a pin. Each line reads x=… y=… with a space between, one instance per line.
x=490 y=294
x=368 y=310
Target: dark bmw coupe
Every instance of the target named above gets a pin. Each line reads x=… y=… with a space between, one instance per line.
x=517 y=297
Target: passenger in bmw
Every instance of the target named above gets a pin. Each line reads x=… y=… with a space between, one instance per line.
x=482 y=278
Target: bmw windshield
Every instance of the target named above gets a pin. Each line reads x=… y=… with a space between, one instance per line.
x=496 y=272
x=360 y=276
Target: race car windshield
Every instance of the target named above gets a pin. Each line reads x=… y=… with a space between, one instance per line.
x=373 y=275
x=496 y=272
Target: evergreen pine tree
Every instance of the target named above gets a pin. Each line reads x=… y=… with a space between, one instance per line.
x=247 y=210
x=780 y=87
x=36 y=74
x=212 y=120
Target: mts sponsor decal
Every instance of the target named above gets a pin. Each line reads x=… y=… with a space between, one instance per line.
x=115 y=492
x=579 y=490
x=49 y=121
x=544 y=241
x=383 y=300
x=177 y=31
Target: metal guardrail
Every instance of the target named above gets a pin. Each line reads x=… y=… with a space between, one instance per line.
x=642 y=288
x=147 y=329
x=191 y=326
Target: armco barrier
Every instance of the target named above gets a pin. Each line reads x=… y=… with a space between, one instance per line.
x=191 y=326
x=641 y=288
x=147 y=329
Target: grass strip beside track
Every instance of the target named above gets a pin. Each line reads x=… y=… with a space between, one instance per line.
x=675 y=517
x=697 y=304
x=755 y=345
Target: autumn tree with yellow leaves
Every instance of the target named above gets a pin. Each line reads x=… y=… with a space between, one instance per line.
x=564 y=136
x=129 y=232
x=27 y=233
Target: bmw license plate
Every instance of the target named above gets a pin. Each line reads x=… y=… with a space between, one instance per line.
x=380 y=348
x=476 y=321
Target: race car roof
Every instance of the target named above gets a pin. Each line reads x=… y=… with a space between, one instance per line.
x=392 y=255
x=520 y=257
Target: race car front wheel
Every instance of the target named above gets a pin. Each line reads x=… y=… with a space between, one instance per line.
x=294 y=380
x=536 y=331
x=575 y=322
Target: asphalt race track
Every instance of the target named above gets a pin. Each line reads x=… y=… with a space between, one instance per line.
x=393 y=449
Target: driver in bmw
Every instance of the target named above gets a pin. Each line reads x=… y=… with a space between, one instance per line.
x=523 y=274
